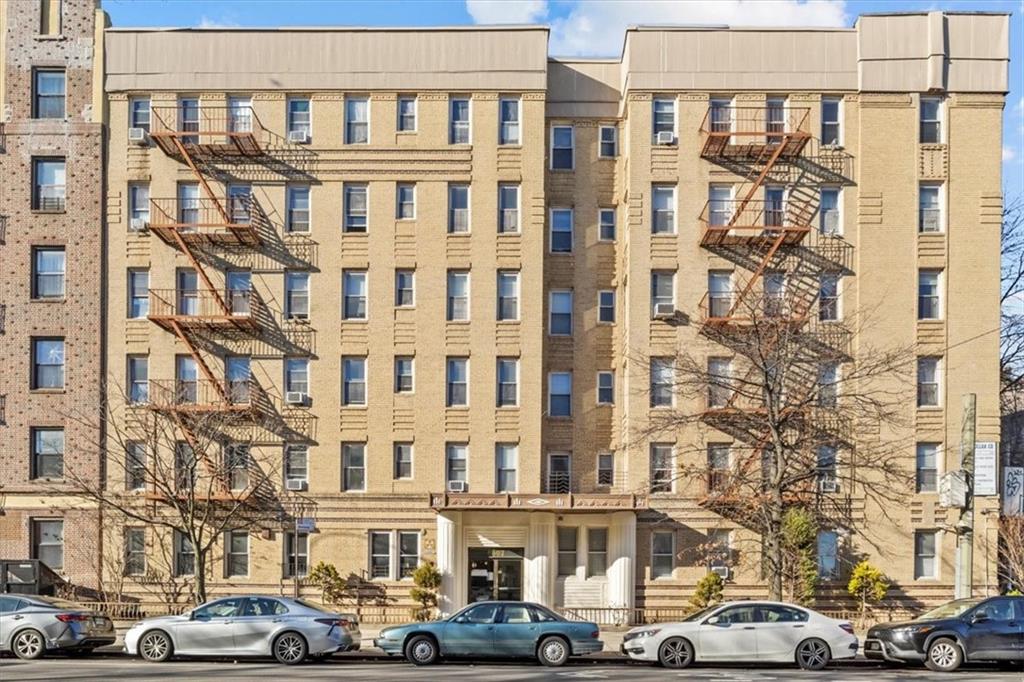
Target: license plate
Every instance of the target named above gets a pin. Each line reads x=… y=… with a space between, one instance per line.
x=100 y=623
x=872 y=645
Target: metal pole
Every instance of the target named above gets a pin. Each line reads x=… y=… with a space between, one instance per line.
x=295 y=554
x=965 y=524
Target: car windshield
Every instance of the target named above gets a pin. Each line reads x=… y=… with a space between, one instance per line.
x=950 y=609
x=700 y=614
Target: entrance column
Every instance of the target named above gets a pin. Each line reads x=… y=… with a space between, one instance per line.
x=538 y=574
x=449 y=562
x=622 y=560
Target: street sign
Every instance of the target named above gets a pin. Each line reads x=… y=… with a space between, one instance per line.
x=953 y=489
x=1013 y=491
x=986 y=467
x=305 y=525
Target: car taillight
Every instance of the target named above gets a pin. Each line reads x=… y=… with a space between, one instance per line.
x=331 y=621
x=70 y=617
x=846 y=627
x=595 y=634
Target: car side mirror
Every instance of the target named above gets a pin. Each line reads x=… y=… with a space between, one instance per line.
x=461 y=619
x=979 y=618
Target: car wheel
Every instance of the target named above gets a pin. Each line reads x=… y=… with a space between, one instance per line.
x=675 y=652
x=944 y=655
x=421 y=650
x=155 y=646
x=28 y=645
x=553 y=651
x=813 y=654
x=290 y=648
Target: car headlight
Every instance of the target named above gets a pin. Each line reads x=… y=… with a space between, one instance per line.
x=386 y=633
x=641 y=633
x=911 y=630
x=136 y=624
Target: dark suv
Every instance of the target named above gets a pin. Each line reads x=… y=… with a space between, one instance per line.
x=980 y=629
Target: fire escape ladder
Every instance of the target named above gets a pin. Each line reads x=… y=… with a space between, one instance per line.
x=194 y=352
x=775 y=243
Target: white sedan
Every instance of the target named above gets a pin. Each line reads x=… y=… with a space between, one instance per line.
x=770 y=632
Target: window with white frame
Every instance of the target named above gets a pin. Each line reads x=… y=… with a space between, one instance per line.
x=831 y=124
x=459 y=131
x=928 y=303
x=138 y=294
x=719 y=547
x=184 y=555
x=47 y=363
x=296 y=554
x=508 y=208
x=662 y=468
x=606 y=468
x=353 y=292
x=561 y=226
x=560 y=313
x=662 y=381
x=931 y=120
x=927 y=467
x=664 y=116
x=300 y=119
x=608 y=143
x=404 y=374
x=719 y=466
x=296 y=295
x=606 y=306
x=48 y=542
x=458 y=382
x=560 y=394
x=663 y=209
x=296 y=464
x=297 y=210
x=357 y=120
x=828 y=384
x=139 y=113
x=457 y=464
x=720 y=205
x=403 y=461
x=354 y=381
x=458 y=296
x=825 y=468
x=597 y=552
x=408 y=553
x=720 y=111
x=606 y=225
x=405 y=198
x=355 y=208
x=47 y=452
x=138 y=205
x=606 y=388
x=135 y=465
x=562 y=152
x=405 y=288
x=719 y=382
x=508 y=294
x=720 y=294
x=663 y=553
x=828 y=555
x=925 y=550
x=407 y=114
x=508 y=122
x=929 y=212
x=567 y=550
x=506 y=463
x=828 y=297
x=663 y=291
x=928 y=382
x=508 y=382
x=458 y=209
x=138 y=379
x=353 y=467
x=134 y=551
x=828 y=213
x=296 y=375
x=236 y=554
x=48 y=266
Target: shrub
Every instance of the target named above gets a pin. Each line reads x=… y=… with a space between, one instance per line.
x=427 y=580
x=709 y=591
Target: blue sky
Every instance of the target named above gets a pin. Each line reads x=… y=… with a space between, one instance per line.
x=584 y=27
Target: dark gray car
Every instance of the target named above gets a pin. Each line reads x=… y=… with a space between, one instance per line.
x=31 y=625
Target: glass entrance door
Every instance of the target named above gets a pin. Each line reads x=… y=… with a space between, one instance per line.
x=495 y=574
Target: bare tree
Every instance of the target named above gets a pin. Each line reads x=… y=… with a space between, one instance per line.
x=1011 y=340
x=191 y=468
x=1011 y=549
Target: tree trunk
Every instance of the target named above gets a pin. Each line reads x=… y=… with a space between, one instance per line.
x=200 y=592
x=773 y=547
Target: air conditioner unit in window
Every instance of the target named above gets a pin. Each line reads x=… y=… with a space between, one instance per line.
x=138 y=136
x=298 y=137
x=665 y=137
x=828 y=485
x=831 y=225
x=664 y=310
x=724 y=572
x=295 y=398
x=294 y=484
x=138 y=224
x=457 y=486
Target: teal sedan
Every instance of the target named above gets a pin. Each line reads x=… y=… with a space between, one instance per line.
x=507 y=629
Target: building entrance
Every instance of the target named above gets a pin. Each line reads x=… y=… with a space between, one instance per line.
x=495 y=573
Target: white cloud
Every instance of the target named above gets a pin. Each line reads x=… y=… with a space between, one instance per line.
x=1008 y=153
x=597 y=28
x=507 y=11
x=207 y=22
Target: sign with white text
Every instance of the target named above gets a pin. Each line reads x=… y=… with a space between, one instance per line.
x=986 y=468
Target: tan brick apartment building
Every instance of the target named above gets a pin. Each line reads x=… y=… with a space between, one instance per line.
x=436 y=256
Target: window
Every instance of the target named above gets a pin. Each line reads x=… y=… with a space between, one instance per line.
x=297 y=218
x=239 y=114
x=664 y=116
x=508 y=131
x=138 y=294
x=405 y=195
x=353 y=291
x=720 y=205
x=663 y=291
x=299 y=116
x=719 y=465
x=719 y=382
x=138 y=379
x=296 y=295
x=828 y=384
x=662 y=474
x=828 y=297
x=403 y=375
x=458 y=382
x=49 y=181
x=48 y=543
x=458 y=209
x=927 y=382
x=405 y=288
x=134 y=551
x=138 y=205
x=236 y=554
x=606 y=306
x=296 y=555
x=597 y=551
x=719 y=293
x=47 y=364
x=662 y=380
x=828 y=555
x=296 y=375
x=506 y=461
x=560 y=394
x=184 y=555
x=608 y=143
x=925 y=544
x=238 y=372
x=47 y=452
x=457 y=458
x=929 y=208
x=508 y=382
x=135 y=465
x=408 y=553
x=186 y=374
x=380 y=554
x=458 y=295
x=48 y=272
x=355 y=208
x=719 y=546
x=508 y=209
x=606 y=225
x=353 y=472
x=236 y=462
x=825 y=468
x=831 y=128
x=721 y=115
x=606 y=468
x=931 y=120
x=357 y=120
x=49 y=89
x=403 y=461
x=561 y=230
x=188 y=119
x=928 y=295
x=184 y=466
x=829 y=222
x=927 y=467
x=663 y=205
x=606 y=388
x=354 y=380
x=563 y=155
x=458 y=116
x=774 y=206
x=508 y=295
x=567 y=551
x=663 y=554
x=296 y=464
x=139 y=113
x=407 y=114
x=560 y=314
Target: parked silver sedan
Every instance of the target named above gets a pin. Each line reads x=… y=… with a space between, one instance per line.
x=290 y=630
x=31 y=625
